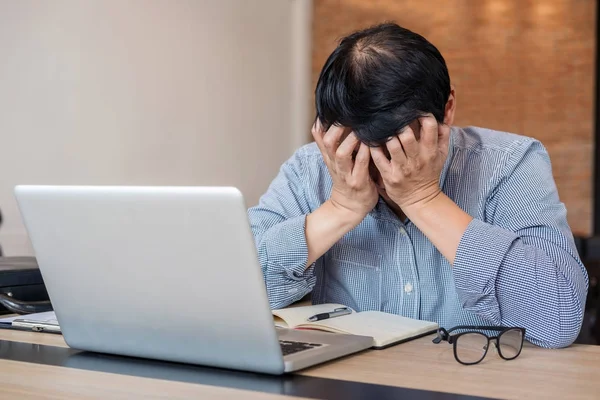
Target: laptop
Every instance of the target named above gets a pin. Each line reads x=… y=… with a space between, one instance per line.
x=167 y=273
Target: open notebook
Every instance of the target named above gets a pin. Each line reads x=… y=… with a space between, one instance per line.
x=38 y=322
x=385 y=329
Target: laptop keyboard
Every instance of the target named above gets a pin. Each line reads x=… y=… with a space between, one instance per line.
x=288 y=347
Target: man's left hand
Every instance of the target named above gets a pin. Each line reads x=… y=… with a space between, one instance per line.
x=412 y=175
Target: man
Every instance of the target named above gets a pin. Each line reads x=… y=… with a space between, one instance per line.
x=393 y=209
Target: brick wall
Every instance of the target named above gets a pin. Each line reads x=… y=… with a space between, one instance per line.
x=522 y=66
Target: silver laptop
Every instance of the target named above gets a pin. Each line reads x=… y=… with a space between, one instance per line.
x=168 y=273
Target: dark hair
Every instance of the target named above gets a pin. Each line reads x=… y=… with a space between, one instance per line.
x=379 y=80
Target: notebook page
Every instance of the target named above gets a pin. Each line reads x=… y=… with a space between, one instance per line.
x=383 y=327
x=293 y=316
x=47 y=317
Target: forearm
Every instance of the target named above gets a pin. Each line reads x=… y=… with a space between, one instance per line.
x=325 y=227
x=442 y=221
x=282 y=254
x=504 y=279
x=287 y=251
x=536 y=282
x=543 y=295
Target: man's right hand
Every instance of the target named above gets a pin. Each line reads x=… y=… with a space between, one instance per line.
x=353 y=190
x=353 y=196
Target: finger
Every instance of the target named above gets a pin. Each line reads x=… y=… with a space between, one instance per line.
x=361 y=163
x=343 y=154
x=429 y=131
x=348 y=145
x=409 y=142
x=332 y=140
x=396 y=152
x=416 y=128
x=317 y=133
x=380 y=160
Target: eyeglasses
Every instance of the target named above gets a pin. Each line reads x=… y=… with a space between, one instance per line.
x=471 y=345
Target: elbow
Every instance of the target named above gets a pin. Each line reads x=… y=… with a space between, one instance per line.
x=556 y=340
x=281 y=296
x=562 y=332
x=563 y=329
x=569 y=336
x=277 y=304
x=284 y=289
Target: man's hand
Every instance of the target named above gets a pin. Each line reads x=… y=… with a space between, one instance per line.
x=353 y=189
x=411 y=176
x=353 y=194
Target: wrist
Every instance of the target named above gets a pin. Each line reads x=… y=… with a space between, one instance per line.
x=327 y=225
x=442 y=221
x=346 y=216
x=423 y=204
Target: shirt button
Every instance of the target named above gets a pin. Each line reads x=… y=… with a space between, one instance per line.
x=403 y=231
x=408 y=287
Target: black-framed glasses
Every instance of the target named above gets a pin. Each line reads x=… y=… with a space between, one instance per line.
x=472 y=343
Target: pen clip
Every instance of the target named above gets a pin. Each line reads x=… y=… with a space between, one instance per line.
x=341 y=309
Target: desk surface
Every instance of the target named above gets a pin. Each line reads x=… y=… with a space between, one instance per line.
x=571 y=373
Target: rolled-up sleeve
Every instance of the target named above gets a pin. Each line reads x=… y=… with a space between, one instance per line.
x=520 y=266
x=278 y=226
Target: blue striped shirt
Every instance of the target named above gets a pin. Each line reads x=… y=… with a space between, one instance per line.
x=516 y=264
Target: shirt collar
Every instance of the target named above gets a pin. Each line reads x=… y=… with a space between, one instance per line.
x=448 y=161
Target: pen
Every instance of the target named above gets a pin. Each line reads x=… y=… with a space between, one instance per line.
x=338 y=312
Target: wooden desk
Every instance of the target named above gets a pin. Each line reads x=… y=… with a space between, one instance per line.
x=24 y=380
x=567 y=373
x=571 y=373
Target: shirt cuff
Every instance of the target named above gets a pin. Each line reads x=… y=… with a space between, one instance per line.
x=479 y=256
x=286 y=248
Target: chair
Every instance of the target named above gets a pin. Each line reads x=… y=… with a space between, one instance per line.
x=589 y=252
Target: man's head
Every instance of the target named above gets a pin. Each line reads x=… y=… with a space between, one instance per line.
x=379 y=80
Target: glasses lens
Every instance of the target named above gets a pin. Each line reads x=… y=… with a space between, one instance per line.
x=511 y=343
x=471 y=347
